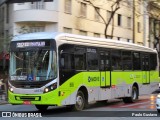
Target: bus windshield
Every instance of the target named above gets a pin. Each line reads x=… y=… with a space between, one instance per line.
x=38 y=65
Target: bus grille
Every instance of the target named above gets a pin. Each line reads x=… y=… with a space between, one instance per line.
x=29 y=85
x=28 y=98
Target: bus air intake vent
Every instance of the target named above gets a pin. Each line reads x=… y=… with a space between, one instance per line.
x=28 y=98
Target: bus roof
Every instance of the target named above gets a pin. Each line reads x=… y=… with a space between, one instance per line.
x=82 y=40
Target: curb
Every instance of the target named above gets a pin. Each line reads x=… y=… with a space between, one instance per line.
x=4 y=102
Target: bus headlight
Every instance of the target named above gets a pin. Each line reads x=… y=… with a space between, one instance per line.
x=158 y=96
x=50 y=88
x=10 y=89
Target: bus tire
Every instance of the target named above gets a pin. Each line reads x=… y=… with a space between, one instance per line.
x=134 y=96
x=42 y=107
x=80 y=102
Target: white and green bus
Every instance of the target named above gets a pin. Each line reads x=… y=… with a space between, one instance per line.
x=60 y=69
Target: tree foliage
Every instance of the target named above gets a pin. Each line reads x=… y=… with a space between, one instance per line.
x=114 y=7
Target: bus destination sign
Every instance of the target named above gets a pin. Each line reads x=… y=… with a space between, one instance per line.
x=30 y=44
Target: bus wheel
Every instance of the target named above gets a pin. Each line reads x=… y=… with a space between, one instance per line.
x=133 y=97
x=80 y=102
x=42 y=107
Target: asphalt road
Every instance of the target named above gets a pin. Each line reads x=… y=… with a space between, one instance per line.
x=114 y=109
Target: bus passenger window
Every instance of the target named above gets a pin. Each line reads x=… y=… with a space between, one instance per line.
x=67 y=61
x=92 y=59
x=62 y=62
x=136 y=61
x=80 y=58
x=153 y=61
x=127 y=60
x=116 y=60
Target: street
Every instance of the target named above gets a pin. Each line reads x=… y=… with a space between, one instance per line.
x=144 y=107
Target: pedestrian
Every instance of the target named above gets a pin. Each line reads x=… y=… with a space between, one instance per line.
x=1 y=83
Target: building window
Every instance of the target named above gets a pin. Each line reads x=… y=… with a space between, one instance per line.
x=109 y=37
x=129 y=3
x=67 y=30
x=83 y=10
x=68 y=6
x=37 y=5
x=129 y=22
x=119 y=19
x=7 y=34
x=138 y=27
x=37 y=29
x=81 y=32
x=7 y=14
x=97 y=35
x=96 y=16
x=2 y=14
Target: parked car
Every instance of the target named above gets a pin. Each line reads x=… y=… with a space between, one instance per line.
x=158 y=103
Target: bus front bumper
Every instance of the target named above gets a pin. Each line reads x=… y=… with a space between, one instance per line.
x=39 y=99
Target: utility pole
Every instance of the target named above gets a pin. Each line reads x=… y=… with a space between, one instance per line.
x=133 y=21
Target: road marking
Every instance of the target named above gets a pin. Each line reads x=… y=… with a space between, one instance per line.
x=141 y=104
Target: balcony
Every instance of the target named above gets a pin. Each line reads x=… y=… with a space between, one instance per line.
x=34 y=15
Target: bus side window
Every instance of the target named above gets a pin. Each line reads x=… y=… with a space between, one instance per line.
x=153 y=61
x=116 y=60
x=136 y=61
x=145 y=61
x=80 y=58
x=67 y=61
x=92 y=59
x=127 y=60
x=62 y=62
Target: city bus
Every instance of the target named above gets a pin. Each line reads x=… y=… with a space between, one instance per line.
x=60 y=69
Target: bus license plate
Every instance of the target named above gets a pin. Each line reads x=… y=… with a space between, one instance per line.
x=27 y=102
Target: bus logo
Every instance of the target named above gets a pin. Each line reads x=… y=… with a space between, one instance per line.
x=93 y=79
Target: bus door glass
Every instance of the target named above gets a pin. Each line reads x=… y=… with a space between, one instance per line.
x=105 y=68
x=145 y=69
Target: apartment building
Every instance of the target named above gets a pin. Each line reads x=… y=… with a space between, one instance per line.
x=71 y=16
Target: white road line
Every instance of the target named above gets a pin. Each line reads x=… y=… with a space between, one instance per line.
x=136 y=104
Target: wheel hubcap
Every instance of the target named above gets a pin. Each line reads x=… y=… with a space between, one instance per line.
x=79 y=101
x=134 y=95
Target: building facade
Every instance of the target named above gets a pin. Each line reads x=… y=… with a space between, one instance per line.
x=73 y=16
x=154 y=25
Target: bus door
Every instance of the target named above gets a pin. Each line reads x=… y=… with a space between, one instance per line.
x=105 y=69
x=145 y=69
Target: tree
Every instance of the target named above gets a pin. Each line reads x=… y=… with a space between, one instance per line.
x=114 y=7
x=5 y=45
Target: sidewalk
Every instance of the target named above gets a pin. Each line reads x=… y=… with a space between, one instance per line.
x=3 y=99
x=3 y=89
x=2 y=102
